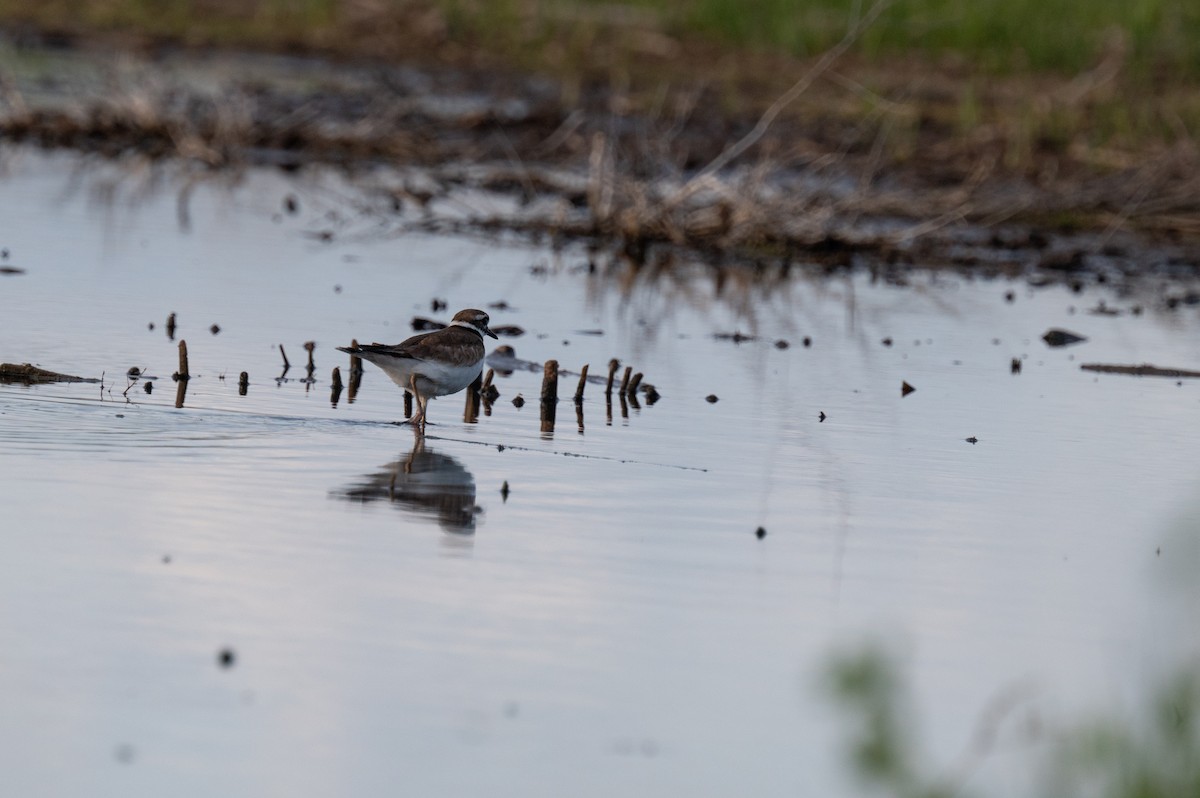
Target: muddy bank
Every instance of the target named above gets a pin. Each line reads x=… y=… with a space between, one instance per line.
x=819 y=188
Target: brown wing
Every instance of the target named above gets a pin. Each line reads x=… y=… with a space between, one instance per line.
x=456 y=344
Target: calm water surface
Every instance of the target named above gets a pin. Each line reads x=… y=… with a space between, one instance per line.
x=614 y=627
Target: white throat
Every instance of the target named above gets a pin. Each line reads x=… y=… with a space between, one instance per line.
x=468 y=325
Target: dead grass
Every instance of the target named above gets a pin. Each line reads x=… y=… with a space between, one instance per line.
x=650 y=138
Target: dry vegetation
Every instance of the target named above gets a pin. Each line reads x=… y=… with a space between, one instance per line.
x=647 y=136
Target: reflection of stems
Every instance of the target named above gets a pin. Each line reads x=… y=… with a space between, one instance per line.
x=180 y=392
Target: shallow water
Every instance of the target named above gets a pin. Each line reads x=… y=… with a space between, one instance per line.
x=613 y=627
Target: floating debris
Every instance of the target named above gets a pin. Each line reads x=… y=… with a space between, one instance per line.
x=906 y=389
x=171 y=326
x=422 y=324
x=1103 y=309
x=291 y=204
x=972 y=440
x=711 y=399
x=737 y=337
x=133 y=373
x=504 y=492
x=652 y=395
x=1057 y=337
x=1015 y=366
x=781 y=344
x=886 y=342
x=11 y=270
x=1144 y=370
x=1010 y=296
x=821 y=417
x=216 y=328
x=243 y=383
x=489 y=391
x=760 y=533
x=437 y=305
x=807 y=342
x=148 y=387
x=226 y=658
x=518 y=401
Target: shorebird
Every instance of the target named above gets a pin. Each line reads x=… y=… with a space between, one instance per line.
x=435 y=363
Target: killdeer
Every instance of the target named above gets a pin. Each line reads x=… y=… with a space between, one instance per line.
x=435 y=363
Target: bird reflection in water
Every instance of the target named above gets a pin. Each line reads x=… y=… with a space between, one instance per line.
x=427 y=484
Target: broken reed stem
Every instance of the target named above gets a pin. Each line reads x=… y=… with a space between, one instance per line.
x=613 y=365
x=471 y=411
x=243 y=383
x=634 y=383
x=550 y=381
x=487 y=380
x=286 y=364
x=408 y=399
x=355 y=360
x=309 y=346
x=582 y=382
x=183 y=361
x=625 y=380
x=337 y=378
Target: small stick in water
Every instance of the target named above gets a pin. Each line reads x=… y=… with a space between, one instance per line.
x=625 y=380
x=582 y=382
x=550 y=381
x=355 y=360
x=471 y=411
x=613 y=365
x=336 y=390
x=309 y=346
x=183 y=361
x=243 y=383
x=634 y=383
x=286 y=364
x=171 y=326
x=407 y=404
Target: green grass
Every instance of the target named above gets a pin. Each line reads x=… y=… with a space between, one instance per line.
x=1004 y=36
x=1001 y=35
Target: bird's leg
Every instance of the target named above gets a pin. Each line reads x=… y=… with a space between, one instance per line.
x=424 y=401
x=418 y=420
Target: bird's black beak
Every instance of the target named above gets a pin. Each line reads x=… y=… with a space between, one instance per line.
x=486 y=331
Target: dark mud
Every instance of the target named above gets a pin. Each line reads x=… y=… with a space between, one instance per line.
x=687 y=177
